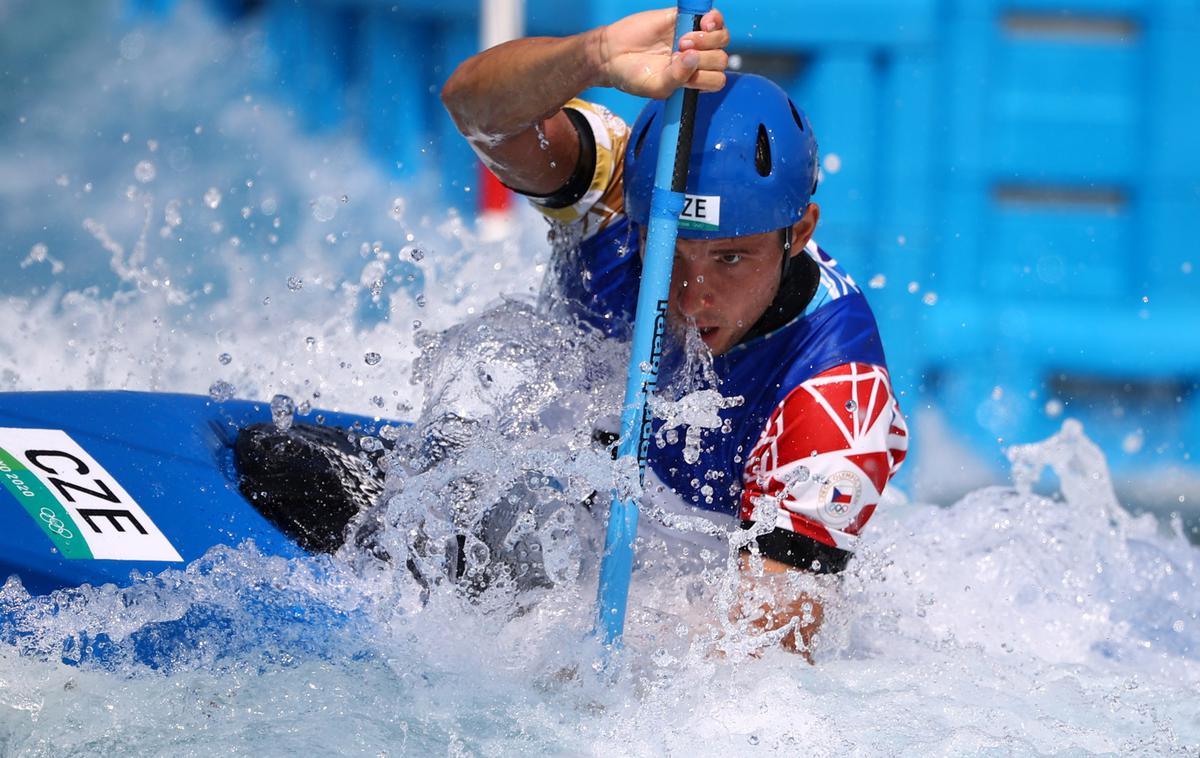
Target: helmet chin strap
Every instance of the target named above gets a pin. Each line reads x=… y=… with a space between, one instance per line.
x=785 y=236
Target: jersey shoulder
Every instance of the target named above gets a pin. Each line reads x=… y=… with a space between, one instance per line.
x=827 y=453
x=835 y=281
x=602 y=202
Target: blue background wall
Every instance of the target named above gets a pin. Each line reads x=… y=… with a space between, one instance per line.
x=1018 y=180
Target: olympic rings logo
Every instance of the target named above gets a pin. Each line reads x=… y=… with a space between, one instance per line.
x=55 y=524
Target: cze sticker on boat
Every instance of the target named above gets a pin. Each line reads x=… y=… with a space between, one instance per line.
x=84 y=511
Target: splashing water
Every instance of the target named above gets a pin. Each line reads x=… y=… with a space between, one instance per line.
x=1037 y=618
x=694 y=412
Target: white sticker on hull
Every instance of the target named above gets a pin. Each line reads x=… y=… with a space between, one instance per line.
x=82 y=508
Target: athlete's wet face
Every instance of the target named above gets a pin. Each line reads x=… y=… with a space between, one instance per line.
x=724 y=286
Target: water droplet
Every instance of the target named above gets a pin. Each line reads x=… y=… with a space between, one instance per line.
x=420 y=301
x=125 y=138
x=832 y=163
x=345 y=199
x=212 y=198
x=171 y=214
x=220 y=391
x=372 y=359
x=282 y=411
x=145 y=172
x=851 y=406
x=310 y=343
x=295 y=283
x=752 y=739
x=417 y=324
x=1133 y=442
x=377 y=401
x=878 y=282
x=37 y=254
x=267 y=300
x=225 y=359
x=913 y=288
x=930 y=298
x=370 y=444
x=324 y=208
x=1054 y=407
x=417 y=254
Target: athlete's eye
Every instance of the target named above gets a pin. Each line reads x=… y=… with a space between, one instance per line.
x=730 y=258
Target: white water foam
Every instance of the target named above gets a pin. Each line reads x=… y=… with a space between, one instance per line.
x=1039 y=618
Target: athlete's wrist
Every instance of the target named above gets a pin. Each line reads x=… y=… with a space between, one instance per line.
x=596 y=57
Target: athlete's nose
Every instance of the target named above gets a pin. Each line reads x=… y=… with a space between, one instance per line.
x=692 y=296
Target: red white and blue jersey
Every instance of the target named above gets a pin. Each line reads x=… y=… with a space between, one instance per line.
x=818 y=433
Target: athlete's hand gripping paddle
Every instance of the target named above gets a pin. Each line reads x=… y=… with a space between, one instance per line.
x=670 y=181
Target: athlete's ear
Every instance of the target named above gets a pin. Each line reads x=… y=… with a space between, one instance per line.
x=802 y=230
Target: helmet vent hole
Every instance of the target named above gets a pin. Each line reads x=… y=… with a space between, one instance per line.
x=637 y=147
x=796 y=115
x=762 y=152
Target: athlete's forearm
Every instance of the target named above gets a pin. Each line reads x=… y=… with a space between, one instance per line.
x=503 y=91
x=507 y=102
x=806 y=609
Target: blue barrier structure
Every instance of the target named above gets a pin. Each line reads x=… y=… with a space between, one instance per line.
x=1010 y=179
x=1014 y=176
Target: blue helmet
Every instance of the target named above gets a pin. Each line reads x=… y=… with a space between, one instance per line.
x=753 y=165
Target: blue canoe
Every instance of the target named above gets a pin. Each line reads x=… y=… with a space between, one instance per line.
x=101 y=484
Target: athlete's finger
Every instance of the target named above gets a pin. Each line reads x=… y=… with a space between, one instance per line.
x=706 y=81
x=681 y=69
x=713 y=60
x=704 y=40
x=712 y=21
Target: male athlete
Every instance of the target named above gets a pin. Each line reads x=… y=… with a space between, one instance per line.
x=818 y=433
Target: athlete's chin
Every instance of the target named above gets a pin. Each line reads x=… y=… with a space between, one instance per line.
x=716 y=339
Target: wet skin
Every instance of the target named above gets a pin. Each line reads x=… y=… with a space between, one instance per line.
x=723 y=286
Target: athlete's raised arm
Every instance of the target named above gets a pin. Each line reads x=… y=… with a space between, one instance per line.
x=507 y=101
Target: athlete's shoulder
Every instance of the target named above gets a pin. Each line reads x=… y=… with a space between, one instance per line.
x=827 y=453
x=835 y=282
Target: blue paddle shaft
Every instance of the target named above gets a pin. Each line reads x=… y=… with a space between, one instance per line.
x=649 y=329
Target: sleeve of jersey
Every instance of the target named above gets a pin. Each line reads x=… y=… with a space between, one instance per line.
x=827 y=453
x=598 y=201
